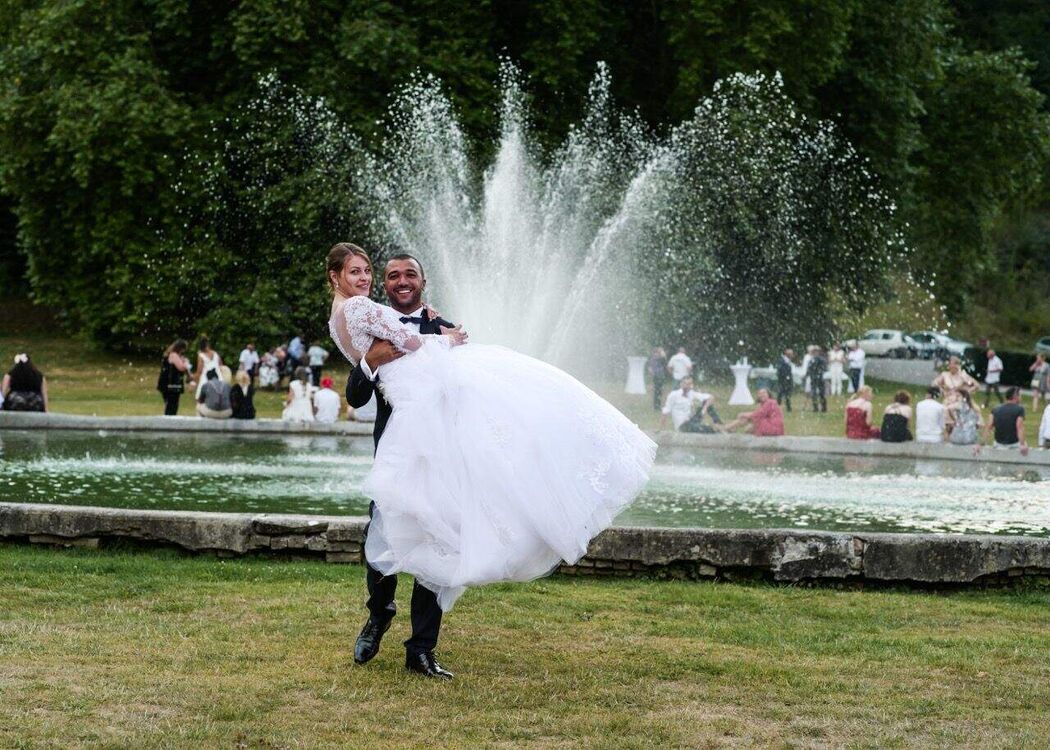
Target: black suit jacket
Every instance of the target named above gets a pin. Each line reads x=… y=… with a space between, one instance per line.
x=359 y=388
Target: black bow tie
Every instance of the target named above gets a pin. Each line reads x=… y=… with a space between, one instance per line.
x=409 y=319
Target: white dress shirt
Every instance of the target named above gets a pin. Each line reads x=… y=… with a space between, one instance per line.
x=328 y=405
x=995 y=370
x=929 y=421
x=248 y=359
x=681 y=366
x=856 y=359
x=680 y=405
x=414 y=326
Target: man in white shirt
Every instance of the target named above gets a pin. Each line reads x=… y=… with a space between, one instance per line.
x=680 y=367
x=929 y=418
x=992 y=377
x=317 y=356
x=327 y=403
x=249 y=360
x=856 y=367
x=681 y=404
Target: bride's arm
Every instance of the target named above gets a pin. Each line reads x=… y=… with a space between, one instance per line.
x=365 y=316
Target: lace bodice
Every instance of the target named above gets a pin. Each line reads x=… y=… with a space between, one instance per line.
x=360 y=321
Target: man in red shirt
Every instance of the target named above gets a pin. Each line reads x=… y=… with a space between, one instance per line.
x=766 y=421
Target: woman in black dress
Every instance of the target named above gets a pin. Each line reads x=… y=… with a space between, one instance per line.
x=173 y=368
x=242 y=396
x=24 y=387
x=896 y=419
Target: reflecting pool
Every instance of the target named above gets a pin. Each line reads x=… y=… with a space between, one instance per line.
x=689 y=487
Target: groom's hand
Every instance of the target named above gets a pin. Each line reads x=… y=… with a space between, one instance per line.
x=381 y=352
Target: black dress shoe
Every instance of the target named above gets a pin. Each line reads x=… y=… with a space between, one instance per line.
x=425 y=664
x=368 y=642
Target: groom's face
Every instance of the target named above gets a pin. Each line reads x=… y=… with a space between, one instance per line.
x=404 y=284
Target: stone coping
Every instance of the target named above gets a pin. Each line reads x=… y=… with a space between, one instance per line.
x=785 y=555
x=787 y=444
x=56 y=421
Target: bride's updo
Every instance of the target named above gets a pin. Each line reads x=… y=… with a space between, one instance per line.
x=338 y=256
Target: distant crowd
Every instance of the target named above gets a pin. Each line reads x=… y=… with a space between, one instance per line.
x=220 y=393
x=949 y=412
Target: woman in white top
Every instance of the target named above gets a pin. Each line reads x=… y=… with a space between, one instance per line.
x=207 y=360
x=298 y=405
x=836 y=364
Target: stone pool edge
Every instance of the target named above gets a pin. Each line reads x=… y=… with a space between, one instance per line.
x=787 y=444
x=780 y=555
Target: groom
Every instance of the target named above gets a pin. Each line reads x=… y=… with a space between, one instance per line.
x=404 y=283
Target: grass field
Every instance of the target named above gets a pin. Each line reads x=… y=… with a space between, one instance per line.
x=85 y=380
x=109 y=649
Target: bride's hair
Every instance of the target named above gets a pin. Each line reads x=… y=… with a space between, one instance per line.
x=338 y=256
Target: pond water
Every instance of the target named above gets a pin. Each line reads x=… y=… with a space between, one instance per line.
x=689 y=487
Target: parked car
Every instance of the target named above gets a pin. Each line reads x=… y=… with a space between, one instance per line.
x=935 y=345
x=887 y=342
x=1042 y=346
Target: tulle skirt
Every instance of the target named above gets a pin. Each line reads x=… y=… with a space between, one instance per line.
x=494 y=467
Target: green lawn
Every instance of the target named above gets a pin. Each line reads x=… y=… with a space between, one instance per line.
x=84 y=380
x=107 y=649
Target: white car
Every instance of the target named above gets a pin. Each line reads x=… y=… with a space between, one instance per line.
x=887 y=342
x=932 y=343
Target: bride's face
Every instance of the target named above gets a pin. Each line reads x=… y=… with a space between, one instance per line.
x=355 y=278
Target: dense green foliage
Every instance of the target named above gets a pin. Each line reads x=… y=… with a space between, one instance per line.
x=115 y=116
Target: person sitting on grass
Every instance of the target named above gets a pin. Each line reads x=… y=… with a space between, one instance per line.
x=896 y=419
x=214 y=400
x=859 y=414
x=24 y=387
x=765 y=421
x=687 y=409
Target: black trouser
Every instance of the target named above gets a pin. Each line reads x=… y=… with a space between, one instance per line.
x=988 y=388
x=784 y=388
x=426 y=614
x=816 y=393
x=695 y=423
x=315 y=375
x=854 y=377
x=171 y=403
x=658 y=392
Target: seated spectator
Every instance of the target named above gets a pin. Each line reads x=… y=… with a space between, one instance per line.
x=269 y=370
x=929 y=418
x=963 y=421
x=1008 y=422
x=682 y=403
x=896 y=420
x=859 y=415
x=24 y=388
x=298 y=404
x=214 y=399
x=327 y=403
x=1043 y=438
x=242 y=396
x=765 y=421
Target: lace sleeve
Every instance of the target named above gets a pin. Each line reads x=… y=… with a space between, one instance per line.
x=367 y=320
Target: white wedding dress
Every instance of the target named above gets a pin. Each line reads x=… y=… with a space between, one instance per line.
x=494 y=466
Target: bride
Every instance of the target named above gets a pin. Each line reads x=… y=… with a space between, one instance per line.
x=494 y=466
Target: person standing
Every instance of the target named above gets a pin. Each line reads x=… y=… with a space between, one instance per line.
x=1007 y=423
x=1040 y=370
x=327 y=403
x=242 y=396
x=785 y=378
x=856 y=366
x=208 y=360
x=836 y=363
x=249 y=360
x=818 y=365
x=296 y=352
x=657 y=368
x=929 y=418
x=680 y=367
x=992 y=377
x=317 y=356
x=24 y=387
x=173 y=368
